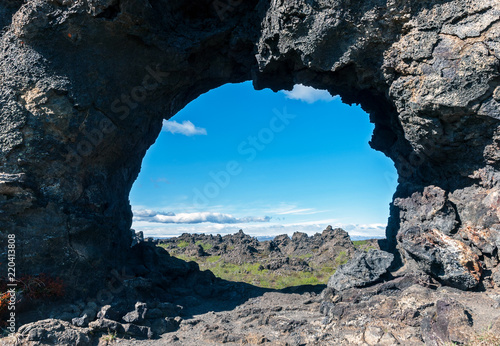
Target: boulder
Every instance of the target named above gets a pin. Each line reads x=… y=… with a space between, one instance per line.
x=108 y=312
x=136 y=331
x=138 y=315
x=54 y=332
x=364 y=269
x=445 y=258
x=105 y=325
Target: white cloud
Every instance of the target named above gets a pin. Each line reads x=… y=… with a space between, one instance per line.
x=187 y=128
x=308 y=94
x=295 y=211
x=306 y=211
x=190 y=218
x=145 y=213
x=159 y=230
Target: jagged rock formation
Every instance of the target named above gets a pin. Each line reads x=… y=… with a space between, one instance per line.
x=298 y=251
x=85 y=85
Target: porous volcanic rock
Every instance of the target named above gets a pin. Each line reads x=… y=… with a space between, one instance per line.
x=364 y=269
x=85 y=86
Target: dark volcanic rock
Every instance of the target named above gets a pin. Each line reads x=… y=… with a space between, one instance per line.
x=138 y=331
x=431 y=242
x=54 y=332
x=450 y=323
x=138 y=315
x=108 y=312
x=80 y=321
x=445 y=258
x=300 y=253
x=85 y=86
x=105 y=325
x=364 y=269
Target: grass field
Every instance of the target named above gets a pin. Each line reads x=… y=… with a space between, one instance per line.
x=255 y=274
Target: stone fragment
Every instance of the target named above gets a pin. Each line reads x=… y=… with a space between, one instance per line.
x=81 y=321
x=108 y=312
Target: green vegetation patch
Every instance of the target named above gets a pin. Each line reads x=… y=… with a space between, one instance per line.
x=182 y=244
x=359 y=243
x=341 y=258
x=205 y=246
x=255 y=274
x=364 y=245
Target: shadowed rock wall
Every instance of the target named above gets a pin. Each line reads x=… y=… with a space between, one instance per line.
x=85 y=86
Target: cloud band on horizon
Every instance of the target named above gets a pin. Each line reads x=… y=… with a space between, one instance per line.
x=192 y=218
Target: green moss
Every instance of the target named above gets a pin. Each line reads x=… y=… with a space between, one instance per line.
x=205 y=246
x=164 y=246
x=364 y=245
x=213 y=259
x=341 y=258
x=187 y=258
x=252 y=273
x=359 y=243
x=182 y=244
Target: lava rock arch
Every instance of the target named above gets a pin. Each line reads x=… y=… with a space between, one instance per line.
x=85 y=85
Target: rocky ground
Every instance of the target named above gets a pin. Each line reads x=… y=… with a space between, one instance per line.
x=158 y=299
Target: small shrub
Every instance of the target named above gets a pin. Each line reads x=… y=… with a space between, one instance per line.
x=4 y=305
x=110 y=337
x=30 y=288
x=42 y=287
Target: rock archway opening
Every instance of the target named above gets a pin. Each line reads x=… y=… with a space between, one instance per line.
x=237 y=150
x=291 y=162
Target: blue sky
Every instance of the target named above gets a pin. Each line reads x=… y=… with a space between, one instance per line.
x=268 y=163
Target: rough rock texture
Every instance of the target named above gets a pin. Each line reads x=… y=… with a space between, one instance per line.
x=407 y=310
x=364 y=269
x=54 y=332
x=86 y=84
x=169 y=304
